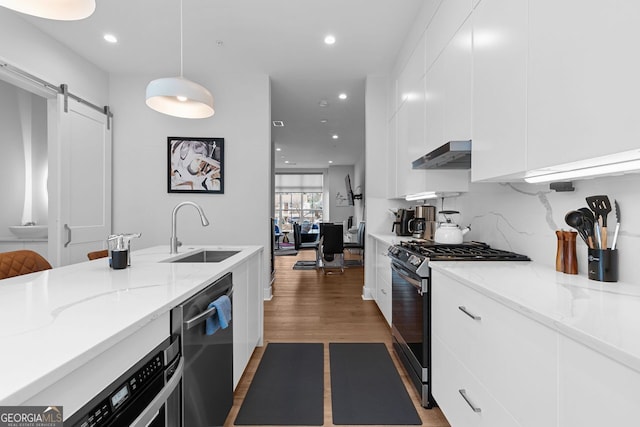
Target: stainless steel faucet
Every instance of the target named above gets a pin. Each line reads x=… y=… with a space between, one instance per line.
x=174 y=238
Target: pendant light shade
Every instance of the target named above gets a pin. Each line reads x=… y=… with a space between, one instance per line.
x=61 y=10
x=177 y=96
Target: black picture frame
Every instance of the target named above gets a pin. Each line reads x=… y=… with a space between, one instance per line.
x=195 y=165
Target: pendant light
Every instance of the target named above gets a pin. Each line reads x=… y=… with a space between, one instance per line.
x=61 y=10
x=180 y=97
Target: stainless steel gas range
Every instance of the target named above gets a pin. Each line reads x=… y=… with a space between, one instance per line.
x=411 y=300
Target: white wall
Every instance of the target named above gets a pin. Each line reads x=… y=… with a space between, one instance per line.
x=141 y=203
x=26 y=47
x=336 y=184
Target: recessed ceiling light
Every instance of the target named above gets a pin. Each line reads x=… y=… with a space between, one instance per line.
x=278 y=149
x=334 y=136
x=110 y=38
x=323 y=103
x=324 y=121
x=330 y=161
x=286 y=161
x=329 y=39
x=278 y=123
x=342 y=96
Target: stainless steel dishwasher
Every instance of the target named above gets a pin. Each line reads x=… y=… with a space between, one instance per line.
x=207 y=385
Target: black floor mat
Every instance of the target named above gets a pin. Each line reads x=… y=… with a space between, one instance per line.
x=288 y=387
x=366 y=388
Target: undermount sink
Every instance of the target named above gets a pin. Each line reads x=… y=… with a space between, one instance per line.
x=205 y=255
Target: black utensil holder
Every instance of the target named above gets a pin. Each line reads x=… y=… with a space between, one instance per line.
x=603 y=265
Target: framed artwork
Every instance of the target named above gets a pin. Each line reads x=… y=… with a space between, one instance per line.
x=196 y=165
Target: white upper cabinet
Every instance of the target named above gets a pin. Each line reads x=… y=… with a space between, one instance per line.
x=449 y=17
x=584 y=80
x=458 y=61
x=448 y=92
x=499 y=88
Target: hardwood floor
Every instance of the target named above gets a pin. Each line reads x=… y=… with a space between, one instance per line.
x=309 y=306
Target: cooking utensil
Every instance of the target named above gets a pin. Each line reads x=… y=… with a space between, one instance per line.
x=589 y=221
x=615 y=233
x=575 y=219
x=601 y=206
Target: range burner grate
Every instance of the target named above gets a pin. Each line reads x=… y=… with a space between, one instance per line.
x=469 y=251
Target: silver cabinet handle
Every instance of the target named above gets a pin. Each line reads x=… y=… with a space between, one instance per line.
x=463 y=393
x=465 y=311
x=161 y=398
x=68 y=230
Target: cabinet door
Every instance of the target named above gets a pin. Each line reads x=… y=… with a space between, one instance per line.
x=457 y=79
x=239 y=317
x=383 y=279
x=499 y=88
x=583 y=85
x=595 y=391
x=254 y=303
x=392 y=161
x=449 y=17
x=435 y=100
x=408 y=180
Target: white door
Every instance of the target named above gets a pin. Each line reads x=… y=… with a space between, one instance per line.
x=79 y=180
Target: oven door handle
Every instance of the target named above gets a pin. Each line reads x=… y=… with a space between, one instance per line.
x=161 y=398
x=402 y=273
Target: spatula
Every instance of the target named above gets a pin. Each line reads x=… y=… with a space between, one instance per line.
x=601 y=206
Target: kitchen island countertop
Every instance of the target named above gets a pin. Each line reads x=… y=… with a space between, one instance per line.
x=55 y=321
x=602 y=316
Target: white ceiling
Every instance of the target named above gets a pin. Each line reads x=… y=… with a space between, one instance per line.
x=281 y=38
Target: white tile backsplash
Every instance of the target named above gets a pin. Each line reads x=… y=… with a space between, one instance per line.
x=523 y=218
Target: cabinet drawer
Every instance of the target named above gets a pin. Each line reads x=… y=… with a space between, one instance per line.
x=449 y=378
x=511 y=355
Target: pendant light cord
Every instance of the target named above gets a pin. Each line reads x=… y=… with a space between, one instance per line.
x=181 y=41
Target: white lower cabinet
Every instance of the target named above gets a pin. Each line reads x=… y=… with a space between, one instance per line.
x=464 y=401
x=383 y=279
x=594 y=390
x=247 y=313
x=506 y=355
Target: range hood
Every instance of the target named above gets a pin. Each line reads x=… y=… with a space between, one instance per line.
x=452 y=155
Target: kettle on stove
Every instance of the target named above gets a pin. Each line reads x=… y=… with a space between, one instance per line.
x=448 y=231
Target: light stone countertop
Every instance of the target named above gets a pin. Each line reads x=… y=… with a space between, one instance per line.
x=603 y=316
x=53 y=322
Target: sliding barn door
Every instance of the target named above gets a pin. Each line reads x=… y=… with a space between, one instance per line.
x=79 y=180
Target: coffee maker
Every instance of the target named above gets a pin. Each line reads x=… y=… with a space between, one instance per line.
x=401 y=224
x=423 y=225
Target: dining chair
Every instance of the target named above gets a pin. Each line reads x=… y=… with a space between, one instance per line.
x=98 y=254
x=332 y=247
x=24 y=261
x=357 y=245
